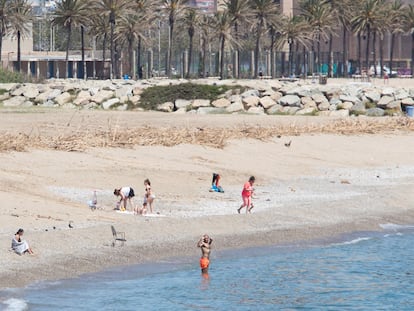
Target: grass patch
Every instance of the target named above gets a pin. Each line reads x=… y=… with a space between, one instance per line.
x=153 y=96
x=10 y=76
x=369 y=105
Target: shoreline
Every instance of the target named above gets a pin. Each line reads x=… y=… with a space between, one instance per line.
x=323 y=185
x=123 y=257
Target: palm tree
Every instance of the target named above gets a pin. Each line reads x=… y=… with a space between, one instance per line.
x=206 y=29
x=191 y=21
x=112 y=9
x=20 y=17
x=240 y=13
x=147 y=10
x=342 y=12
x=396 y=25
x=293 y=30
x=99 y=28
x=5 y=20
x=366 y=22
x=319 y=16
x=69 y=14
x=264 y=13
x=173 y=9
x=222 y=26
x=409 y=27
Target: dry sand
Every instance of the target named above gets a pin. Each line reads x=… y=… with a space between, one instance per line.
x=336 y=177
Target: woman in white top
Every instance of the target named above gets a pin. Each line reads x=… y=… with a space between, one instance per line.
x=126 y=194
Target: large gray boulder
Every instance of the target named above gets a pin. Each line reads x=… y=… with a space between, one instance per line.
x=290 y=100
x=110 y=103
x=14 y=101
x=266 y=102
x=251 y=101
x=375 y=112
x=349 y=98
x=221 y=103
x=374 y=96
x=384 y=101
x=200 y=103
x=255 y=110
x=182 y=103
x=166 y=107
x=102 y=96
x=359 y=108
x=235 y=107
x=63 y=98
x=276 y=109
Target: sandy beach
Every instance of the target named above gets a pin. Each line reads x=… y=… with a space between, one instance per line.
x=337 y=176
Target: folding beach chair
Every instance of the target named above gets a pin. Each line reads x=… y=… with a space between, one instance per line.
x=118 y=236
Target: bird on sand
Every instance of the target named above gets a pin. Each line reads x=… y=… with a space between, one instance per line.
x=288 y=144
x=71 y=224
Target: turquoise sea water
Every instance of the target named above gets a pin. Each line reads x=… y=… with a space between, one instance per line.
x=362 y=271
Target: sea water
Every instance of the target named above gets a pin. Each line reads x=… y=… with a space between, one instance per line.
x=362 y=271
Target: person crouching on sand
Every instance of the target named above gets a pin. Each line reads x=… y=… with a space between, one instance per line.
x=19 y=245
x=205 y=244
x=247 y=195
x=126 y=194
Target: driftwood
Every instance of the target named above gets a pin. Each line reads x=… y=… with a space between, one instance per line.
x=115 y=136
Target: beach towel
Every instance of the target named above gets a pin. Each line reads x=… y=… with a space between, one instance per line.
x=19 y=247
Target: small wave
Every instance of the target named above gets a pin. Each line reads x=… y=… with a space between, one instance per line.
x=14 y=304
x=395 y=227
x=354 y=241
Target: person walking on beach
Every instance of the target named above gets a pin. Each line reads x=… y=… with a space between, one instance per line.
x=205 y=244
x=148 y=199
x=126 y=194
x=19 y=245
x=247 y=195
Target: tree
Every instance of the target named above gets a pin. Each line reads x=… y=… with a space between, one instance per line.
x=319 y=16
x=20 y=16
x=409 y=28
x=222 y=27
x=69 y=14
x=99 y=28
x=395 y=25
x=365 y=22
x=112 y=9
x=173 y=9
x=263 y=12
x=191 y=21
x=240 y=14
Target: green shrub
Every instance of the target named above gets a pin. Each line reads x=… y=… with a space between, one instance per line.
x=10 y=76
x=153 y=96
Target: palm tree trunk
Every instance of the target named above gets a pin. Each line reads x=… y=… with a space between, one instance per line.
x=272 y=56
x=374 y=53
x=222 y=57
x=345 y=53
x=67 y=50
x=203 y=57
x=359 y=53
x=290 y=42
x=236 y=34
x=19 y=60
x=170 y=44
x=412 y=54
x=330 y=69
x=190 y=53
x=391 y=51
x=318 y=48
x=1 y=42
x=103 y=54
x=367 y=49
x=381 y=52
x=83 y=51
x=257 y=49
x=112 y=64
x=130 y=57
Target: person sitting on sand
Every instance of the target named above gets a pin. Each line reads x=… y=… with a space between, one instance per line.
x=148 y=199
x=247 y=195
x=20 y=246
x=126 y=194
x=205 y=244
x=215 y=183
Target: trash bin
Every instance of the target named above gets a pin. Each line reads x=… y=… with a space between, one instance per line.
x=323 y=79
x=410 y=111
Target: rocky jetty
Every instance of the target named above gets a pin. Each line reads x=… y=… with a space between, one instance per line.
x=252 y=97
